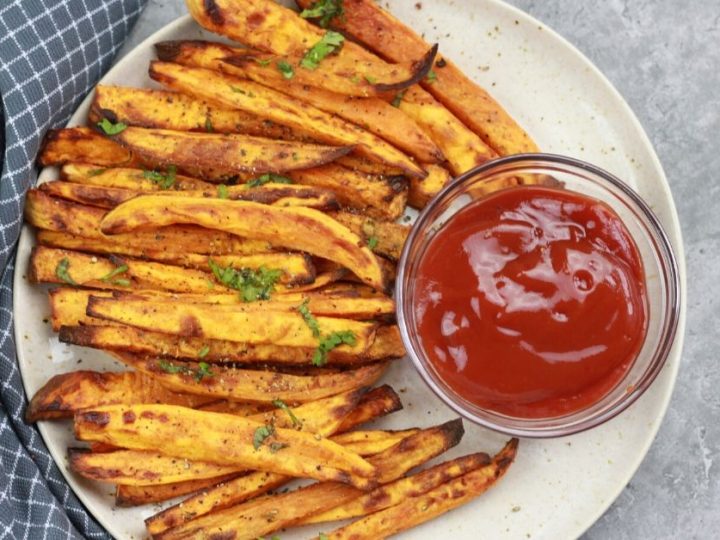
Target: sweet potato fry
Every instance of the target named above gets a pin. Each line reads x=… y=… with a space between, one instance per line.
x=65 y=394
x=247 y=95
x=293 y=228
x=244 y=324
x=244 y=521
x=229 y=153
x=137 y=495
x=271 y=193
x=437 y=501
x=125 y=178
x=369 y=443
x=49 y=265
x=251 y=385
x=158 y=109
x=227 y=439
x=375 y=196
x=390 y=236
x=396 y=492
x=268 y=26
x=53 y=214
x=367 y=22
x=141 y=468
x=422 y=190
x=375 y=115
x=85 y=145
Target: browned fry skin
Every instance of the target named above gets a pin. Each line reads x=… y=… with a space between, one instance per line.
x=126 y=178
x=159 y=109
x=390 y=236
x=138 y=495
x=83 y=144
x=251 y=385
x=65 y=394
x=416 y=510
x=293 y=228
x=367 y=22
x=227 y=440
x=421 y=191
x=271 y=27
x=242 y=94
x=244 y=521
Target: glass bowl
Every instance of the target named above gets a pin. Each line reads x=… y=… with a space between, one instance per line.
x=661 y=275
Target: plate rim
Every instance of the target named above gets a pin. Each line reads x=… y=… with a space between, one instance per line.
x=672 y=227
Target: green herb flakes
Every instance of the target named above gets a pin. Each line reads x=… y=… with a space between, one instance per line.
x=111 y=129
x=108 y=278
x=325 y=11
x=262 y=433
x=169 y=367
x=95 y=172
x=264 y=62
x=274 y=447
x=203 y=370
x=328 y=44
x=431 y=76
x=202 y=353
x=268 y=178
x=286 y=69
x=208 y=125
x=397 y=100
x=222 y=191
x=166 y=180
x=328 y=342
x=309 y=318
x=372 y=242
x=252 y=284
x=62 y=271
x=280 y=404
x=370 y=79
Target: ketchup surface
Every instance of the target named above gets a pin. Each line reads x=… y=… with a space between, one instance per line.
x=531 y=302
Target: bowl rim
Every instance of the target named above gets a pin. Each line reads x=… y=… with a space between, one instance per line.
x=663 y=250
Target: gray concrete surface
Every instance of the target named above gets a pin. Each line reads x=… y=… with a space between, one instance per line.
x=664 y=58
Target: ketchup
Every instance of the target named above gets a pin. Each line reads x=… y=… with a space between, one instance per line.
x=531 y=301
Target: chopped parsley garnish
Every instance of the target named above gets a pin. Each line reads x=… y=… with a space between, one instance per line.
x=431 y=76
x=262 y=433
x=62 y=271
x=198 y=374
x=330 y=43
x=165 y=181
x=280 y=404
x=208 y=125
x=96 y=172
x=238 y=90
x=328 y=342
x=370 y=79
x=202 y=353
x=264 y=62
x=355 y=79
x=222 y=191
x=372 y=242
x=286 y=69
x=397 y=100
x=109 y=128
x=309 y=318
x=268 y=178
x=325 y=11
x=252 y=284
x=108 y=278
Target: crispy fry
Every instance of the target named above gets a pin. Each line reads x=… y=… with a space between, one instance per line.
x=243 y=324
x=369 y=443
x=158 y=109
x=244 y=521
x=138 y=495
x=85 y=145
x=65 y=394
x=227 y=439
x=462 y=148
x=375 y=196
x=293 y=228
x=250 y=96
x=375 y=115
x=53 y=214
x=141 y=468
x=437 y=501
x=374 y=26
x=396 y=492
x=228 y=153
x=360 y=164
x=390 y=236
x=125 y=274
x=275 y=194
x=268 y=26
x=125 y=178
x=251 y=385
x=422 y=190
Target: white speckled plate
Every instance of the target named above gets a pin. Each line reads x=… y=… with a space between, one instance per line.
x=557 y=488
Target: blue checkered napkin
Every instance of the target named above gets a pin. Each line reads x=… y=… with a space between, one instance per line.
x=51 y=53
